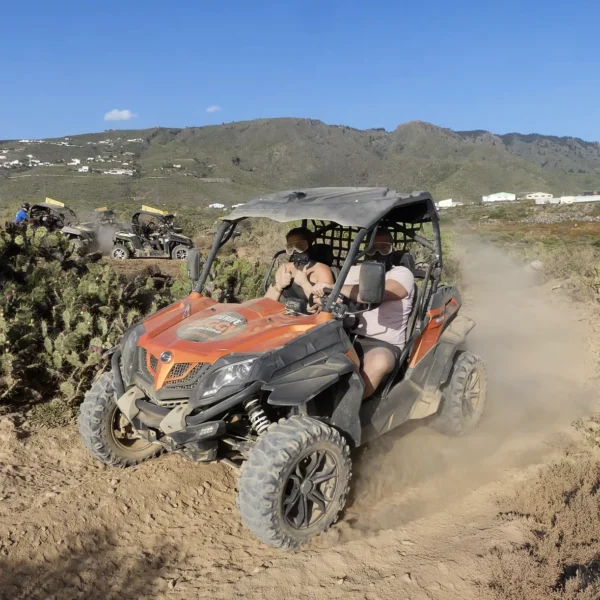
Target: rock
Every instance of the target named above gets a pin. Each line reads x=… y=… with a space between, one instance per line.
x=171 y=585
x=408 y=578
x=114 y=482
x=536 y=265
x=340 y=581
x=407 y=543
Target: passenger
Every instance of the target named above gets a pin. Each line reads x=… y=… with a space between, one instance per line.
x=387 y=322
x=23 y=213
x=295 y=279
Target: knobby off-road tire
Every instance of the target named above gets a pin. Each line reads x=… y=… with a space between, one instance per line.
x=120 y=252
x=99 y=418
x=180 y=252
x=277 y=472
x=464 y=396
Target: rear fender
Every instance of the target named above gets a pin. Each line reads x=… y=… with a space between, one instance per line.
x=434 y=368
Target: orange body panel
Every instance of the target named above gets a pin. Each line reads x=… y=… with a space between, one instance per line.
x=200 y=330
x=431 y=334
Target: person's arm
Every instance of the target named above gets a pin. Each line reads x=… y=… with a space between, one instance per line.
x=319 y=274
x=283 y=278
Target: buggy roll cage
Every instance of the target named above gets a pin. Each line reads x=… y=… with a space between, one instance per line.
x=347 y=241
x=63 y=213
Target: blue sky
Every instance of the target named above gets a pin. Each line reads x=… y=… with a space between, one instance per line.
x=527 y=66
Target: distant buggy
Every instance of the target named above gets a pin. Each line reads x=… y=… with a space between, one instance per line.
x=55 y=216
x=153 y=233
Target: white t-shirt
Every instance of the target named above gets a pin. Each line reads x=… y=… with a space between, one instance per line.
x=388 y=321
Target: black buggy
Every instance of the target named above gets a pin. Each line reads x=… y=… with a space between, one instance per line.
x=153 y=233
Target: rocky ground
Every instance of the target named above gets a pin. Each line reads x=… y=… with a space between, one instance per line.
x=429 y=518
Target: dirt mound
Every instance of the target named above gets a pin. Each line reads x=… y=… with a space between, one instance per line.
x=561 y=559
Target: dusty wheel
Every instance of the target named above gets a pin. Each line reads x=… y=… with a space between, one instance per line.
x=105 y=431
x=120 y=252
x=295 y=482
x=464 y=396
x=179 y=253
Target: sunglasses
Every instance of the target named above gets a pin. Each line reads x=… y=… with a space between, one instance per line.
x=384 y=248
x=300 y=246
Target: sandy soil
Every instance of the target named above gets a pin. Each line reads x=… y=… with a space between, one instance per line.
x=426 y=520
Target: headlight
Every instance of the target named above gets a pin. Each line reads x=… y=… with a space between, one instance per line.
x=128 y=351
x=232 y=374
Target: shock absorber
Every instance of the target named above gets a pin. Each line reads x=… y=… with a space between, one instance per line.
x=257 y=415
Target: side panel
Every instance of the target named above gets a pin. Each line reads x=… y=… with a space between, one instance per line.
x=443 y=309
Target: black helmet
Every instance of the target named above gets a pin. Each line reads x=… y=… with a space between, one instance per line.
x=25 y=205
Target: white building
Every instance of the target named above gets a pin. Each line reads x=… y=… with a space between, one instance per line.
x=587 y=199
x=216 y=205
x=84 y=169
x=177 y=166
x=539 y=196
x=448 y=203
x=128 y=172
x=236 y=205
x=74 y=162
x=499 y=197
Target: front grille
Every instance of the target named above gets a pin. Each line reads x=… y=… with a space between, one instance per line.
x=178 y=369
x=190 y=380
x=144 y=363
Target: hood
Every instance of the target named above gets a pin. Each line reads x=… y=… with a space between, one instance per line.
x=176 y=237
x=199 y=330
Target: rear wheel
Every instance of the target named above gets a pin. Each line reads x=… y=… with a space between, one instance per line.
x=120 y=252
x=295 y=482
x=179 y=252
x=464 y=397
x=105 y=431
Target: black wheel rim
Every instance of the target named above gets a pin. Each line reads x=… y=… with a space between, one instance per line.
x=181 y=254
x=471 y=394
x=119 y=254
x=310 y=489
x=124 y=434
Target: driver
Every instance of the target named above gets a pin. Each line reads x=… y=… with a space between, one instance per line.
x=296 y=278
x=23 y=213
x=387 y=322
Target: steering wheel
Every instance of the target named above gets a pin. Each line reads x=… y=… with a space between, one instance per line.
x=327 y=292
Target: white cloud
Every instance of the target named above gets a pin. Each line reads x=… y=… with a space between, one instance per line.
x=213 y=108
x=119 y=115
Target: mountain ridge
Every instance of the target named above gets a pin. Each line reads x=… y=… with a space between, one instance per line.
x=233 y=161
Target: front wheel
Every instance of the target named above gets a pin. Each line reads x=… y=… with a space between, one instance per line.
x=179 y=253
x=106 y=433
x=120 y=252
x=295 y=482
x=464 y=396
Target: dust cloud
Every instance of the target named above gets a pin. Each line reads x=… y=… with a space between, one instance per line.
x=539 y=375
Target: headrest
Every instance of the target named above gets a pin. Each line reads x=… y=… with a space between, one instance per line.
x=404 y=259
x=322 y=253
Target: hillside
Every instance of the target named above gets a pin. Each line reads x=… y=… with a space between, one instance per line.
x=229 y=163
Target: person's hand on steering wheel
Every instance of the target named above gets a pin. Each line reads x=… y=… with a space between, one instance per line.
x=320 y=289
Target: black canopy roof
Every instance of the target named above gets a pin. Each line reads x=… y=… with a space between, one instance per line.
x=347 y=206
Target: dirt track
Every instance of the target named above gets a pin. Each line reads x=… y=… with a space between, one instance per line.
x=422 y=521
